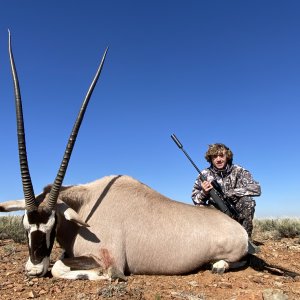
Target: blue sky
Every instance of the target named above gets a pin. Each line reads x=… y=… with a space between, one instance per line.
x=208 y=71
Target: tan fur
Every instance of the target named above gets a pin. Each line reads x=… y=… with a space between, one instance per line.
x=144 y=232
x=134 y=229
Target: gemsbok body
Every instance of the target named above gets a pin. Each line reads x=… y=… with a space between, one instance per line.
x=117 y=225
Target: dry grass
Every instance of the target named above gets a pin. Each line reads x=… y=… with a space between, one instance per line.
x=277 y=228
x=11 y=228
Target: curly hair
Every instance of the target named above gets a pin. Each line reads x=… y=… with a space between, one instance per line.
x=216 y=149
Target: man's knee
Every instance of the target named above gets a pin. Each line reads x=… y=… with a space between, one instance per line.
x=248 y=225
x=246 y=209
x=247 y=206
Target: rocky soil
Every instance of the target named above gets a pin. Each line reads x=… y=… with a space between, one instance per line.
x=247 y=283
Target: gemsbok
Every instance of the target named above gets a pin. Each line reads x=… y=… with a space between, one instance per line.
x=116 y=225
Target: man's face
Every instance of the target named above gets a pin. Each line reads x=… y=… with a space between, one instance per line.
x=219 y=161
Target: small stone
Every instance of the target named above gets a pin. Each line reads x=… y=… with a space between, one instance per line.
x=257 y=280
x=42 y=292
x=18 y=288
x=193 y=283
x=225 y=285
x=278 y=283
x=10 y=273
x=271 y=294
x=57 y=290
x=242 y=285
x=32 y=294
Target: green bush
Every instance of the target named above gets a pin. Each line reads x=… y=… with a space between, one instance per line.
x=11 y=228
x=277 y=228
x=288 y=228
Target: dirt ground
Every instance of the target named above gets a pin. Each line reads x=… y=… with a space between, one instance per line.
x=247 y=283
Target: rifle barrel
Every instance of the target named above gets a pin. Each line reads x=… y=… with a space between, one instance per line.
x=177 y=142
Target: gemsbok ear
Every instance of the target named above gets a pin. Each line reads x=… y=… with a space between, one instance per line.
x=70 y=214
x=13 y=205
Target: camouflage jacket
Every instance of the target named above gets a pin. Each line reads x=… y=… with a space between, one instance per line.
x=235 y=182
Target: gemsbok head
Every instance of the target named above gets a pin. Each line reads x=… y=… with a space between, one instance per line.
x=40 y=217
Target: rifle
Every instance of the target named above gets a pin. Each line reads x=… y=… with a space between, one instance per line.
x=219 y=199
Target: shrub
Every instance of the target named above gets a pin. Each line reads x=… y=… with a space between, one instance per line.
x=288 y=228
x=11 y=228
x=277 y=228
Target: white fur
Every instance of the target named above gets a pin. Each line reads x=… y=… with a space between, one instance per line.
x=220 y=266
x=60 y=270
x=39 y=269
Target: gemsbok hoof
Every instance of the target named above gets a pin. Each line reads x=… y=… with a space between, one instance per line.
x=220 y=267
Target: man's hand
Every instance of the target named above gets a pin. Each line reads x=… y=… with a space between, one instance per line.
x=206 y=186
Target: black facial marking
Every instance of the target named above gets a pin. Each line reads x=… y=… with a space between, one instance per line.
x=38 y=248
x=38 y=216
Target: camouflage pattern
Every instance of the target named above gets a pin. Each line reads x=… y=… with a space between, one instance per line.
x=238 y=186
x=246 y=208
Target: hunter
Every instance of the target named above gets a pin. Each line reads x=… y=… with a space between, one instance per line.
x=236 y=183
